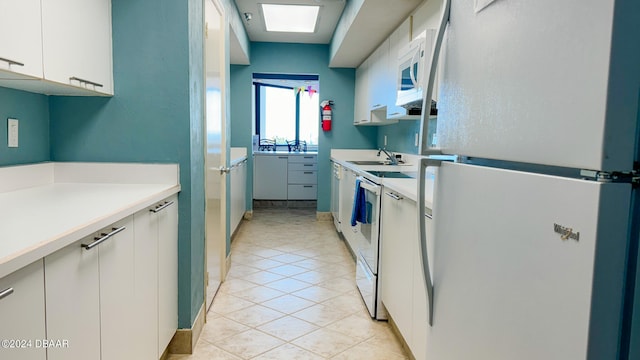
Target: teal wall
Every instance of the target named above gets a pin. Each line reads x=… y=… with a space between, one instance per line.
x=401 y=135
x=155 y=116
x=336 y=84
x=32 y=111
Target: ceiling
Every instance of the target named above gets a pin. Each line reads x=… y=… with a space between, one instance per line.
x=370 y=22
x=330 y=11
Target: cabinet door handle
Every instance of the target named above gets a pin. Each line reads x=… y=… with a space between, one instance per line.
x=6 y=292
x=103 y=238
x=159 y=208
x=85 y=81
x=11 y=62
x=393 y=196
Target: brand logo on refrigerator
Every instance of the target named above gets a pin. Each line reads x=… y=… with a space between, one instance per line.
x=566 y=233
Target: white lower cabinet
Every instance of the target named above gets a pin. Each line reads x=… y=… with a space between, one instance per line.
x=286 y=177
x=167 y=220
x=420 y=306
x=156 y=278
x=88 y=287
x=145 y=299
x=238 y=194
x=117 y=286
x=399 y=237
x=270 y=177
x=22 y=313
x=401 y=275
x=114 y=294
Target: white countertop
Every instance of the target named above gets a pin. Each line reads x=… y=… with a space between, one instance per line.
x=71 y=203
x=407 y=187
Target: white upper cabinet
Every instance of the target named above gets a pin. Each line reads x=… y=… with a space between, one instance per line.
x=398 y=39
x=373 y=93
x=56 y=47
x=77 y=43
x=361 y=105
x=20 y=39
x=378 y=86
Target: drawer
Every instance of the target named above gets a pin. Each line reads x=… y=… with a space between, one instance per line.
x=303 y=177
x=303 y=159
x=302 y=192
x=303 y=166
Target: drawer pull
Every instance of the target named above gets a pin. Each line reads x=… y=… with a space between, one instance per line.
x=393 y=196
x=283 y=157
x=159 y=208
x=11 y=62
x=85 y=81
x=309 y=164
x=308 y=157
x=6 y=292
x=308 y=186
x=308 y=172
x=103 y=238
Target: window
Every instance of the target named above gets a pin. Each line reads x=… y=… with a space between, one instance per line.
x=287 y=110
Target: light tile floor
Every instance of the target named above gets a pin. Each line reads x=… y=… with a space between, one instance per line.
x=291 y=294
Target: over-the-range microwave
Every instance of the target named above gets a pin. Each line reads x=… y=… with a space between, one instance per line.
x=413 y=63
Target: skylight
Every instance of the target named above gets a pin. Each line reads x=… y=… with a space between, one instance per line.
x=290 y=18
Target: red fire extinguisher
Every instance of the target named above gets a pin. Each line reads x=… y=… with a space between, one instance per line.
x=326 y=114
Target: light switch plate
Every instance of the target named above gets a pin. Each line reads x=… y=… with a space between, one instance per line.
x=12 y=132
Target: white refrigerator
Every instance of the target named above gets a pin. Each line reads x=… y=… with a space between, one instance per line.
x=535 y=241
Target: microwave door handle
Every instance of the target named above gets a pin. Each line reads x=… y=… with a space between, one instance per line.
x=412 y=75
x=428 y=94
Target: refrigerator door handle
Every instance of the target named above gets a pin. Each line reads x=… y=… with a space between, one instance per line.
x=428 y=93
x=422 y=236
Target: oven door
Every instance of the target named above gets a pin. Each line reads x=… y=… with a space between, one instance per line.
x=369 y=231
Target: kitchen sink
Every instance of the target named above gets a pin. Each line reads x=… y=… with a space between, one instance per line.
x=393 y=174
x=370 y=162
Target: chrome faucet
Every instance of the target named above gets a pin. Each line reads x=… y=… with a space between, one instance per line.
x=391 y=157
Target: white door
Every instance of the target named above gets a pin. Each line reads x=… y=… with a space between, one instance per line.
x=217 y=147
x=526 y=266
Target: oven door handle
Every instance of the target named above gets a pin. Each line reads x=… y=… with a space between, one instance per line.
x=368 y=185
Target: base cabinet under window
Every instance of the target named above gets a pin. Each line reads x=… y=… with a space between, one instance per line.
x=285 y=177
x=270 y=177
